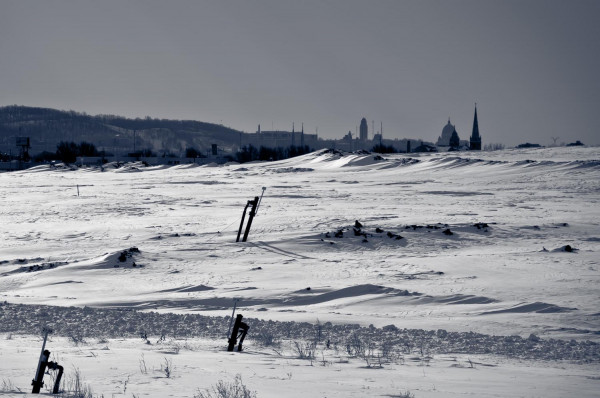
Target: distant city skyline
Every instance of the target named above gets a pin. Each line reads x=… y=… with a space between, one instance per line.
x=531 y=66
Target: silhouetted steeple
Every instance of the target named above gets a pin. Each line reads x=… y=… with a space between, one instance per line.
x=454 y=140
x=293 y=135
x=475 y=141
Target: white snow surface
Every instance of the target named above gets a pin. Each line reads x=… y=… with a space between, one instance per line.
x=505 y=269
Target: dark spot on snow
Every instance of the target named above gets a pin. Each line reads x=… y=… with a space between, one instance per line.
x=567 y=249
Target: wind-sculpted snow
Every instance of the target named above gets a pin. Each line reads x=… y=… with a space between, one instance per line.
x=533 y=307
x=494 y=242
x=92 y=322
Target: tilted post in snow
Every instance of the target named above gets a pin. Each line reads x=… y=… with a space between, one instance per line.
x=235 y=301
x=252 y=203
x=43 y=363
x=240 y=329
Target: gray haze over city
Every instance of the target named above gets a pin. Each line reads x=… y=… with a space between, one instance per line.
x=531 y=66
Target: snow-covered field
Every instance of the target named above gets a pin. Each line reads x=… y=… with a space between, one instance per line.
x=497 y=243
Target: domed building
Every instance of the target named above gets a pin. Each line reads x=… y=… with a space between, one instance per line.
x=444 y=139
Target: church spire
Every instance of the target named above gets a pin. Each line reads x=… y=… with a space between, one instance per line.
x=475 y=141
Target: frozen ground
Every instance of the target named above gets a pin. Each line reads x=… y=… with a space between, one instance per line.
x=502 y=271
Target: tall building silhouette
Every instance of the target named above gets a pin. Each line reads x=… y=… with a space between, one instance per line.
x=454 y=140
x=364 y=130
x=475 y=141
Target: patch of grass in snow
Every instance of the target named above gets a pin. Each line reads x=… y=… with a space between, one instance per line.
x=224 y=389
x=8 y=386
x=75 y=387
x=406 y=394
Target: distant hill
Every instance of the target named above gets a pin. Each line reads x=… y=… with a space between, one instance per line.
x=47 y=127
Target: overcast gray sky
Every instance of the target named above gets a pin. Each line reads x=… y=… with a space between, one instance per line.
x=531 y=66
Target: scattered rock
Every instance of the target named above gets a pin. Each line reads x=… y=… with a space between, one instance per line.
x=566 y=248
x=532 y=337
x=378 y=230
x=448 y=232
x=125 y=254
x=357 y=224
x=339 y=234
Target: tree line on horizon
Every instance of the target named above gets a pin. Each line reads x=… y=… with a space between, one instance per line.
x=68 y=152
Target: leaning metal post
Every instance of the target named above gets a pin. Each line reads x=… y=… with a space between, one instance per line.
x=251 y=217
x=235 y=301
x=240 y=329
x=37 y=381
x=242 y=222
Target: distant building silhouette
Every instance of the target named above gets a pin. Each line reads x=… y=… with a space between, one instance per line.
x=454 y=140
x=528 y=145
x=475 y=141
x=280 y=138
x=576 y=143
x=364 y=130
x=444 y=139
